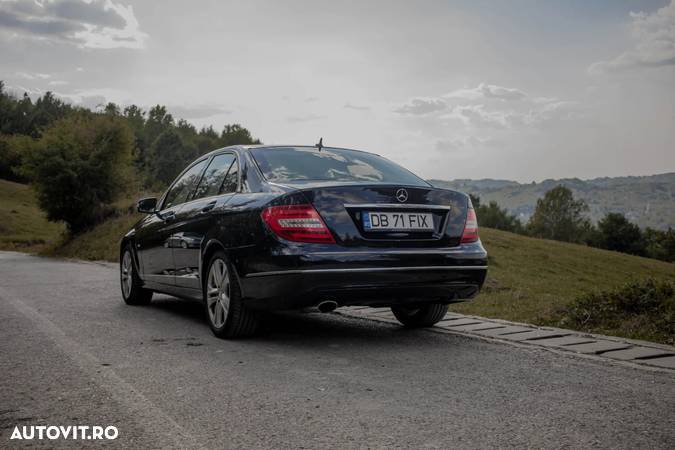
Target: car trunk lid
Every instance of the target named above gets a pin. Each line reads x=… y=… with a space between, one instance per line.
x=415 y=216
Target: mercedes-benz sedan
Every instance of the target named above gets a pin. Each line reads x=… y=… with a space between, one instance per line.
x=251 y=228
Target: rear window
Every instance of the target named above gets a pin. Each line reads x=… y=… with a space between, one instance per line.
x=296 y=164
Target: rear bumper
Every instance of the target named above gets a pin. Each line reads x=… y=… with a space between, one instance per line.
x=367 y=278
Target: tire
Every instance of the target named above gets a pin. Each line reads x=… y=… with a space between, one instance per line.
x=130 y=283
x=225 y=312
x=418 y=316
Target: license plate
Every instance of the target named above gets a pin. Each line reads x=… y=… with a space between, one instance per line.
x=400 y=221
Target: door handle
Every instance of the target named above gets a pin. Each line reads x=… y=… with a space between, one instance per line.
x=169 y=217
x=208 y=207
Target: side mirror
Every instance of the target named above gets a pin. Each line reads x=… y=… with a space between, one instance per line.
x=147 y=205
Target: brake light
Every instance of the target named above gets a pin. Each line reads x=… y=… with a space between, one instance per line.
x=298 y=223
x=470 y=233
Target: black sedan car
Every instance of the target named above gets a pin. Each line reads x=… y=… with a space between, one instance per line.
x=251 y=228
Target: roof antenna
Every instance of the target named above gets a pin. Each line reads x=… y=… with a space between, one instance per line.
x=320 y=144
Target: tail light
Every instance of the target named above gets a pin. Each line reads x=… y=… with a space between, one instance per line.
x=298 y=223
x=470 y=233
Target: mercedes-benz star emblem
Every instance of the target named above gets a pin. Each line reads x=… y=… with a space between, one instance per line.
x=402 y=195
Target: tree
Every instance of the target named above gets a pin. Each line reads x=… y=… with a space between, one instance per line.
x=236 y=135
x=79 y=166
x=616 y=233
x=492 y=216
x=559 y=216
x=166 y=157
x=159 y=120
x=135 y=118
x=660 y=244
x=111 y=109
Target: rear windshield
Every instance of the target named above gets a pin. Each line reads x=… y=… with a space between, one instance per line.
x=289 y=164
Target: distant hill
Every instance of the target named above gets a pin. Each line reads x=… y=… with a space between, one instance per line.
x=648 y=201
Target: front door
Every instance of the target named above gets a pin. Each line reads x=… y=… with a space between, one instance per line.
x=154 y=246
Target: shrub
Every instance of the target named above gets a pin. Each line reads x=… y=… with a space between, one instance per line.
x=78 y=167
x=642 y=309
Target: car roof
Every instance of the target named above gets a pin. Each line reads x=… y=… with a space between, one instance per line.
x=273 y=146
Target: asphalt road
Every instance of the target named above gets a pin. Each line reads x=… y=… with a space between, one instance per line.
x=72 y=353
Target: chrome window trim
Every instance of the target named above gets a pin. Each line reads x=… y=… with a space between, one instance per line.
x=397 y=206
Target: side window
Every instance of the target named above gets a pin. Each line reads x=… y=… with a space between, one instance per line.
x=184 y=186
x=231 y=179
x=217 y=175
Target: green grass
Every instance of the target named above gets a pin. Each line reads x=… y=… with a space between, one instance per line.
x=23 y=226
x=535 y=280
x=529 y=280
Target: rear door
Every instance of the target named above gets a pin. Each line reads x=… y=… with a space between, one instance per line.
x=156 y=237
x=196 y=217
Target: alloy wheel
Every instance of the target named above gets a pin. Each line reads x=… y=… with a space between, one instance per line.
x=218 y=293
x=127 y=274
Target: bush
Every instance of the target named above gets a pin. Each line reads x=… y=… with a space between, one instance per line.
x=641 y=309
x=78 y=167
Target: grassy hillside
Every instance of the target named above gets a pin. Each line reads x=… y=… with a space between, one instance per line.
x=23 y=225
x=533 y=280
x=530 y=280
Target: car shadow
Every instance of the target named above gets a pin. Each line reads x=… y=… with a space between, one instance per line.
x=188 y=309
x=299 y=328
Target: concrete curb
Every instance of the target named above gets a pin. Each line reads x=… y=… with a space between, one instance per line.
x=641 y=354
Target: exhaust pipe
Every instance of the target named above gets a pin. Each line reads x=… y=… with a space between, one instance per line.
x=327 y=306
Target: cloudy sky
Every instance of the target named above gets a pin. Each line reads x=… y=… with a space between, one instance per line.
x=522 y=90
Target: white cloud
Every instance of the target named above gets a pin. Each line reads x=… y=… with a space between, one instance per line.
x=554 y=110
x=32 y=76
x=489 y=106
x=481 y=117
x=654 y=34
x=421 y=106
x=85 y=23
x=487 y=91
